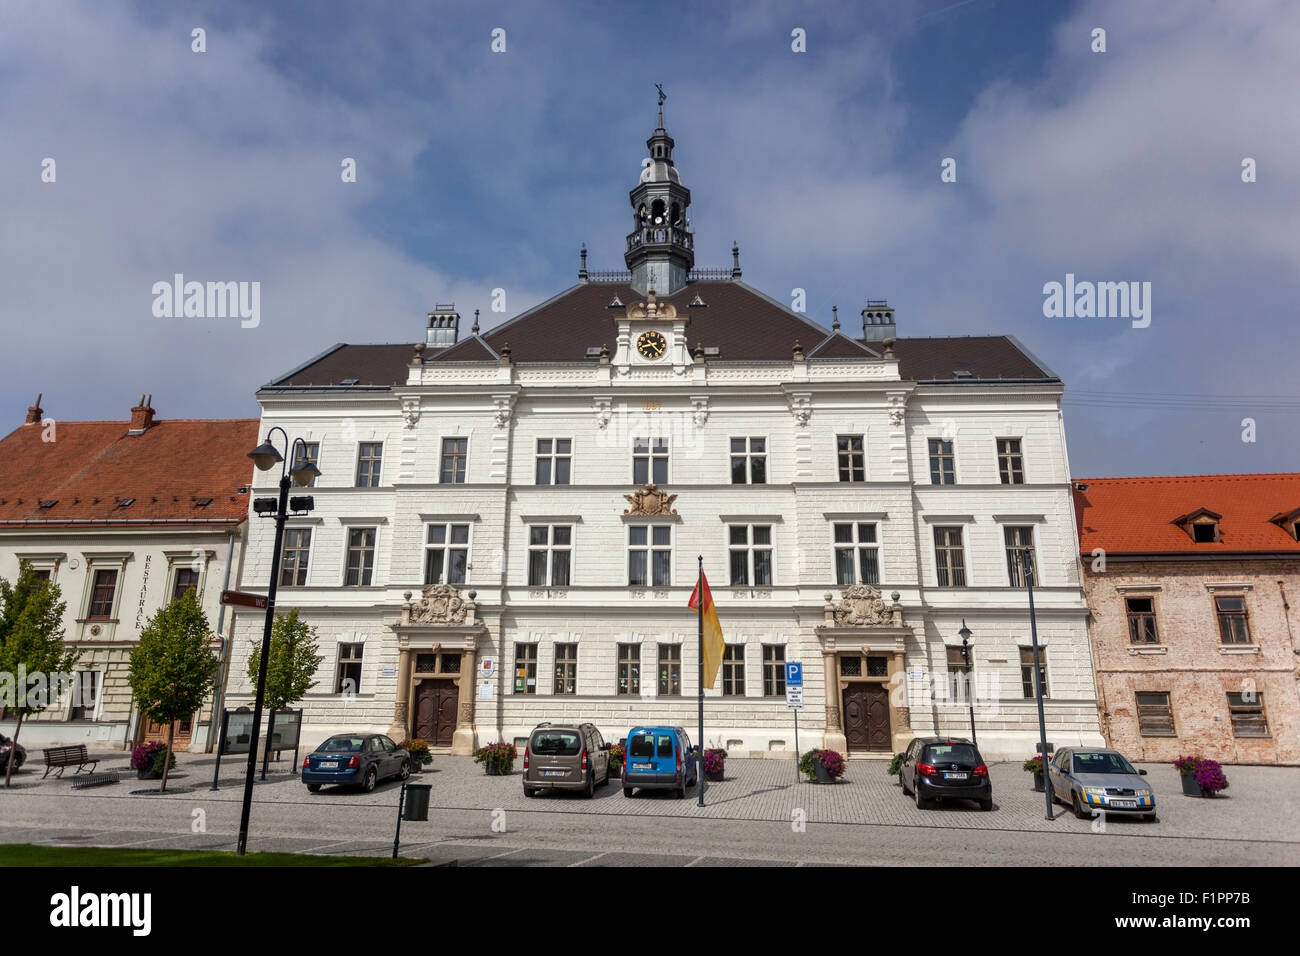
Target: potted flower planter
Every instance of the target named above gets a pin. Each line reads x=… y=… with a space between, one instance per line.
x=1038 y=783
x=1190 y=787
x=498 y=759
x=822 y=766
x=821 y=774
x=148 y=774
x=500 y=768
x=1201 y=776
x=715 y=765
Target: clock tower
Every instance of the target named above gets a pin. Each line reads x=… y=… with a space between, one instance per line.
x=660 y=247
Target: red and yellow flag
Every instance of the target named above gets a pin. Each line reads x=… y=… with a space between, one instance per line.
x=713 y=643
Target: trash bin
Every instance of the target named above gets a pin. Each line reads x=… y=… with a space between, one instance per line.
x=417 y=801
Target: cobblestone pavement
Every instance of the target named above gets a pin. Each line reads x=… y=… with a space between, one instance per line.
x=1260 y=813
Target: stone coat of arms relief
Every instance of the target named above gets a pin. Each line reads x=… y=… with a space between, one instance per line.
x=650 y=501
x=439 y=604
x=860 y=606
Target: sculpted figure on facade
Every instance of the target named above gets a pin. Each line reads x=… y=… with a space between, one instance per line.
x=650 y=501
x=862 y=605
x=439 y=604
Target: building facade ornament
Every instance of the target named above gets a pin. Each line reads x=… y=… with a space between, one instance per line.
x=801 y=407
x=699 y=410
x=861 y=605
x=897 y=409
x=504 y=409
x=440 y=604
x=411 y=411
x=650 y=501
x=604 y=412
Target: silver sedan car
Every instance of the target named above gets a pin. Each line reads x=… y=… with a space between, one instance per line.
x=1093 y=781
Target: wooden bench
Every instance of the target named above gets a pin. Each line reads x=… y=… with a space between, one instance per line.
x=64 y=757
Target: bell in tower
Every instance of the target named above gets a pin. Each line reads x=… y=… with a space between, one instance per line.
x=660 y=248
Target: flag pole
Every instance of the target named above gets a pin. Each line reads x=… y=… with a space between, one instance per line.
x=699 y=757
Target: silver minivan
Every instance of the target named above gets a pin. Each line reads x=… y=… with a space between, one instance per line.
x=565 y=757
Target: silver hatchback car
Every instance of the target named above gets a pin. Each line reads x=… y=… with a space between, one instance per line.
x=1092 y=781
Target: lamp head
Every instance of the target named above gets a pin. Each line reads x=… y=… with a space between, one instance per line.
x=304 y=473
x=965 y=633
x=265 y=456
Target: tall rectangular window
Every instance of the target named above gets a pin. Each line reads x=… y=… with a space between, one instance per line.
x=650 y=461
x=733 y=671
x=749 y=461
x=307 y=453
x=1141 y=620
x=773 y=670
x=1246 y=711
x=361 y=557
x=293 y=557
x=852 y=461
x=1154 y=713
x=857 y=554
x=1011 y=463
x=370 y=458
x=566 y=669
x=943 y=467
x=446 y=553
x=554 y=456
x=670 y=670
x=750 y=548
x=348 y=676
x=454 y=452
x=958 y=674
x=187 y=579
x=1233 y=628
x=525 y=668
x=649 y=555
x=550 y=549
x=1019 y=540
x=629 y=670
x=101 y=596
x=948 y=558
x=1027 y=670
x=85 y=695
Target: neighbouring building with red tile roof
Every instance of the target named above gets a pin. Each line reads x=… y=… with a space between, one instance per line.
x=534 y=497
x=1192 y=581
x=122 y=516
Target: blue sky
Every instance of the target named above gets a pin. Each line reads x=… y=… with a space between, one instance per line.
x=481 y=170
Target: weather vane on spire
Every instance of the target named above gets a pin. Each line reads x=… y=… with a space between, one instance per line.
x=662 y=96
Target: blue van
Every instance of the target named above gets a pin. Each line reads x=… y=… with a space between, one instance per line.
x=659 y=758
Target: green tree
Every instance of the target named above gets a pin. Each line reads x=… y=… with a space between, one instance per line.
x=291 y=665
x=31 y=647
x=173 y=668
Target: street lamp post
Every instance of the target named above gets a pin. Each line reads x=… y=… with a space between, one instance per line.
x=965 y=635
x=266 y=456
x=1027 y=572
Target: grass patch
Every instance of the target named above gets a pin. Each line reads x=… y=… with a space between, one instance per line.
x=24 y=854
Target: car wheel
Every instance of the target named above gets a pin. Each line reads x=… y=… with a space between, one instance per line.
x=921 y=802
x=627 y=791
x=372 y=777
x=313 y=788
x=680 y=792
x=1077 y=806
x=405 y=771
x=589 y=790
x=529 y=792
x=986 y=804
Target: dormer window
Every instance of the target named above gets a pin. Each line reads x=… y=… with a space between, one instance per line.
x=1207 y=532
x=1201 y=525
x=1289 y=522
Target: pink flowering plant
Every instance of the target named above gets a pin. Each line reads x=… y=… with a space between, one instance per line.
x=715 y=761
x=1034 y=764
x=149 y=757
x=832 y=762
x=499 y=755
x=1208 y=773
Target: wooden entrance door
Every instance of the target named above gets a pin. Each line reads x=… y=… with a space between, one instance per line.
x=435 y=711
x=181 y=738
x=866 y=718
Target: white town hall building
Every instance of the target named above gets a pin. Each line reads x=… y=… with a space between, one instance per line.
x=534 y=497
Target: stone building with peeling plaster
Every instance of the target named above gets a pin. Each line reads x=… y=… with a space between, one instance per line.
x=507 y=524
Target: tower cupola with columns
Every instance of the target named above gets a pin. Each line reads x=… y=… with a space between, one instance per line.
x=660 y=248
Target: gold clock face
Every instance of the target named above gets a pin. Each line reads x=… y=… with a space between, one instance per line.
x=652 y=344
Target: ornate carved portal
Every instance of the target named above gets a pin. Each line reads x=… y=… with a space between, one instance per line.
x=862 y=606
x=650 y=501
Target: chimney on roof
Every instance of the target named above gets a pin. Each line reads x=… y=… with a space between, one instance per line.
x=141 y=416
x=444 y=326
x=878 y=321
x=34 y=412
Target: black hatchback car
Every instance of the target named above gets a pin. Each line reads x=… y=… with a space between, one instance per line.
x=945 y=768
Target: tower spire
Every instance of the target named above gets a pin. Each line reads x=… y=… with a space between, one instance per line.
x=660 y=249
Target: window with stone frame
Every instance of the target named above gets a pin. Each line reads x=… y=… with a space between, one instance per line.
x=749 y=461
x=370 y=458
x=1027 y=671
x=1155 y=713
x=360 y=558
x=1233 y=626
x=554 y=460
x=446 y=553
x=649 y=461
x=525 y=668
x=1011 y=463
x=187 y=580
x=85 y=695
x=750 y=551
x=670 y=670
x=649 y=555
x=455 y=452
x=293 y=557
x=348 y=675
x=773 y=670
x=1141 y=613
x=850 y=665
x=1246 y=711
x=877 y=666
x=566 y=669
x=103 y=591
x=852 y=458
x=959 y=673
x=857 y=553
x=943 y=464
x=307 y=453
x=733 y=671
x=550 y=555
x=949 y=558
x=629 y=670
x=1019 y=541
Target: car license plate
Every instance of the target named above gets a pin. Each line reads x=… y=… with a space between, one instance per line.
x=640 y=766
x=1123 y=803
x=954 y=776
x=329 y=765
x=553 y=773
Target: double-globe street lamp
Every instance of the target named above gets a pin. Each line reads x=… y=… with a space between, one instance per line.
x=302 y=472
x=965 y=635
x=1026 y=563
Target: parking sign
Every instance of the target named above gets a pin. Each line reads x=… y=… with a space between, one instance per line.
x=793 y=674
